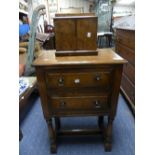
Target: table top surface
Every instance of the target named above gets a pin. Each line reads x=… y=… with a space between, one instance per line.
x=105 y=56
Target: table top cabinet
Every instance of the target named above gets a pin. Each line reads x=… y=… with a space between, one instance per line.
x=76 y=33
x=79 y=86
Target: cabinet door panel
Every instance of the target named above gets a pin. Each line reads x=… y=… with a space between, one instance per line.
x=86 y=34
x=65 y=31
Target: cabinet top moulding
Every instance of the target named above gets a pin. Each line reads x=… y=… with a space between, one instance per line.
x=74 y=17
x=73 y=14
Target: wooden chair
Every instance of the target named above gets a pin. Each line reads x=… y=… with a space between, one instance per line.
x=107 y=36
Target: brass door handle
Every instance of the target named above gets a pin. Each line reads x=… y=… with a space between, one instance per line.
x=61 y=81
x=97 y=77
x=62 y=104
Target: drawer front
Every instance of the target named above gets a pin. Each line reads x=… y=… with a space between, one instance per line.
x=126 y=53
x=129 y=88
x=78 y=92
x=129 y=71
x=88 y=79
x=79 y=103
x=126 y=38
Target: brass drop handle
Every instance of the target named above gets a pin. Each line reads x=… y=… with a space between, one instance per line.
x=97 y=78
x=61 y=81
x=62 y=104
x=97 y=104
x=119 y=39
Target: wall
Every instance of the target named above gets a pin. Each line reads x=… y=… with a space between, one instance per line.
x=73 y=3
x=124 y=8
x=103 y=11
x=124 y=14
x=66 y=4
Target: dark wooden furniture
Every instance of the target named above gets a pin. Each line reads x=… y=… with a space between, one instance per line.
x=107 y=36
x=125 y=46
x=75 y=33
x=47 y=40
x=79 y=86
x=20 y=134
x=76 y=53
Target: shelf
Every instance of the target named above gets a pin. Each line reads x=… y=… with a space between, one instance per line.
x=23 y=3
x=22 y=11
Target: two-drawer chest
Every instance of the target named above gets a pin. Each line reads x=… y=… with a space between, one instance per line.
x=79 y=86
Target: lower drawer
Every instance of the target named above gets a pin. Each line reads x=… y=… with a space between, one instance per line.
x=78 y=103
x=129 y=70
x=129 y=89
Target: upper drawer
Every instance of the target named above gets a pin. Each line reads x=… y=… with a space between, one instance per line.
x=80 y=79
x=126 y=38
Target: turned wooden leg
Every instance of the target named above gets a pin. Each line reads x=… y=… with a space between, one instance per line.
x=57 y=123
x=108 y=136
x=100 y=121
x=52 y=135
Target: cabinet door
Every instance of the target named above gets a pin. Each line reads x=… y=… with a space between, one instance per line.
x=65 y=34
x=87 y=34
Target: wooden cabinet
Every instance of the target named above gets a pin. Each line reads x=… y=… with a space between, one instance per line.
x=76 y=33
x=79 y=86
x=125 y=46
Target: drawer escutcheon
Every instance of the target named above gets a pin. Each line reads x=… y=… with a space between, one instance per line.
x=76 y=81
x=97 y=104
x=61 y=81
x=62 y=104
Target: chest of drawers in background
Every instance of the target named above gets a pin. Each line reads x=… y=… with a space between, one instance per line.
x=125 y=47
